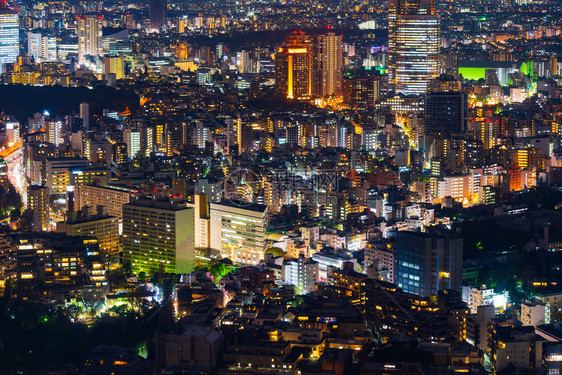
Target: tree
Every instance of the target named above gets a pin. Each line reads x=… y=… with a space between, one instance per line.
x=25 y=221
x=219 y=269
x=15 y=215
x=127 y=266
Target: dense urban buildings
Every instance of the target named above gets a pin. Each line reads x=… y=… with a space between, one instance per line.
x=281 y=187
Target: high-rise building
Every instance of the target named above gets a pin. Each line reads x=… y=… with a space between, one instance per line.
x=85 y=115
x=446 y=113
x=41 y=47
x=112 y=198
x=413 y=45
x=89 y=30
x=446 y=107
x=328 y=64
x=114 y=65
x=202 y=221
x=9 y=35
x=55 y=132
x=239 y=230
x=360 y=91
x=428 y=262
x=158 y=15
x=158 y=235
x=38 y=201
x=293 y=67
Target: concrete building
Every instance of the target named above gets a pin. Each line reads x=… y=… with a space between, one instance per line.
x=89 y=30
x=238 y=230
x=196 y=346
x=535 y=313
x=428 y=262
x=100 y=225
x=202 y=221
x=112 y=198
x=158 y=234
x=302 y=273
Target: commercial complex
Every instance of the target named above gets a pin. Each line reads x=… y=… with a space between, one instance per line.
x=238 y=230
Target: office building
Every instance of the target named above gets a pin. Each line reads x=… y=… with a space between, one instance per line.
x=446 y=107
x=238 y=230
x=114 y=65
x=360 y=92
x=38 y=201
x=328 y=63
x=413 y=45
x=428 y=262
x=9 y=36
x=158 y=235
x=64 y=173
x=103 y=227
x=89 y=30
x=55 y=132
x=111 y=198
x=158 y=15
x=41 y=47
x=85 y=115
x=302 y=273
x=293 y=67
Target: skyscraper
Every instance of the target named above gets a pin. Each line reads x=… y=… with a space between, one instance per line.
x=41 y=47
x=293 y=68
x=85 y=115
x=413 y=45
x=446 y=107
x=328 y=62
x=89 y=30
x=428 y=262
x=158 y=14
x=9 y=36
x=38 y=201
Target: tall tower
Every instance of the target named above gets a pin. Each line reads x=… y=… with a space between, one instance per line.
x=446 y=107
x=158 y=15
x=293 y=68
x=9 y=35
x=89 y=32
x=328 y=61
x=413 y=45
x=38 y=201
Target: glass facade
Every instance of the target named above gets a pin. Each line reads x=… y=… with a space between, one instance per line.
x=9 y=36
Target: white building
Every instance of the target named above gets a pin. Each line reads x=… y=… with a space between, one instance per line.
x=326 y=260
x=239 y=230
x=302 y=273
x=535 y=313
x=41 y=47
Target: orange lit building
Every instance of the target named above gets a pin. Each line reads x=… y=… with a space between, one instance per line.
x=293 y=68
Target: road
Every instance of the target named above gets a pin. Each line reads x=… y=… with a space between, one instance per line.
x=16 y=173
